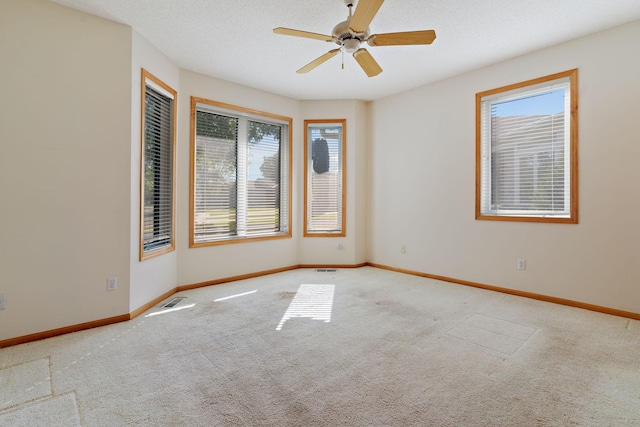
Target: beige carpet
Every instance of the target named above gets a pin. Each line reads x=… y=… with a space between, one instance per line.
x=361 y=347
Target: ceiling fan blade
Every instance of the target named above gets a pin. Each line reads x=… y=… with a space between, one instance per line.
x=366 y=61
x=313 y=64
x=300 y=33
x=362 y=17
x=404 y=38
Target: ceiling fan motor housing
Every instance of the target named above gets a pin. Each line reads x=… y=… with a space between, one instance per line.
x=347 y=38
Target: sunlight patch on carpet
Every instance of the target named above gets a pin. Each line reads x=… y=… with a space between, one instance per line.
x=311 y=301
x=235 y=296
x=169 y=310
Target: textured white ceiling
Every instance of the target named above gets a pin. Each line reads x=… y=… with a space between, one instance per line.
x=233 y=40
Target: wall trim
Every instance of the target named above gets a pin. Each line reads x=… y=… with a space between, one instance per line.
x=137 y=312
x=540 y=297
x=364 y=264
x=234 y=278
x=64 y=330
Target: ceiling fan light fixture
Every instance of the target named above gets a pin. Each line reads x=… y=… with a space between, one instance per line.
x=351 y=45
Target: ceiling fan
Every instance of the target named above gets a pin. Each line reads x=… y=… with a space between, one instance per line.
x=353 y=32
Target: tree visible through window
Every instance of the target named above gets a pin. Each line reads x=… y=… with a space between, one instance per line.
x=527 y=151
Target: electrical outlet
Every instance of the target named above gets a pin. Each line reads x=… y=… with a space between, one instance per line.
x=403 y=249
x=522 y=264
x=3 y=301
x=112 y=283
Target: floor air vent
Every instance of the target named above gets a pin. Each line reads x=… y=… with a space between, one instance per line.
x=326 y=270
x=173 y=302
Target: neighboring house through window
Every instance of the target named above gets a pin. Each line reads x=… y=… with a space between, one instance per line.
x=527 y=165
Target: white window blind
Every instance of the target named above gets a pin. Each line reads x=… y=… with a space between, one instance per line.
x=157 y=216
x=324 y=179
x=215 y=176
x=241 y=176
x=526 y=151
x=263 y=178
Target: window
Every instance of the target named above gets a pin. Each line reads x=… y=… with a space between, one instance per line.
x=527 y=151
x=157 y=194
x=240 y=174
x=324 y=177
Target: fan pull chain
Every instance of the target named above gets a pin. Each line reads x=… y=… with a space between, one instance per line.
x=342 y=50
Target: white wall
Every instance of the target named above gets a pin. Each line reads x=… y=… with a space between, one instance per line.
x=155 y=276
x=423 y=181
x=324 y=250
x=65 y=138
x=196 y=265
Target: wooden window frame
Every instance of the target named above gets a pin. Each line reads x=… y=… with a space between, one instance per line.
x=146 y=76
x=572 y=75
x=192 y=166
x=343 y=212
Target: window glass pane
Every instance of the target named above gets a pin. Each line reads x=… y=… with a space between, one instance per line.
x=215 y=176
x=527 y=146
x=263 y=189
x=157 y=191
x=324 y=178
